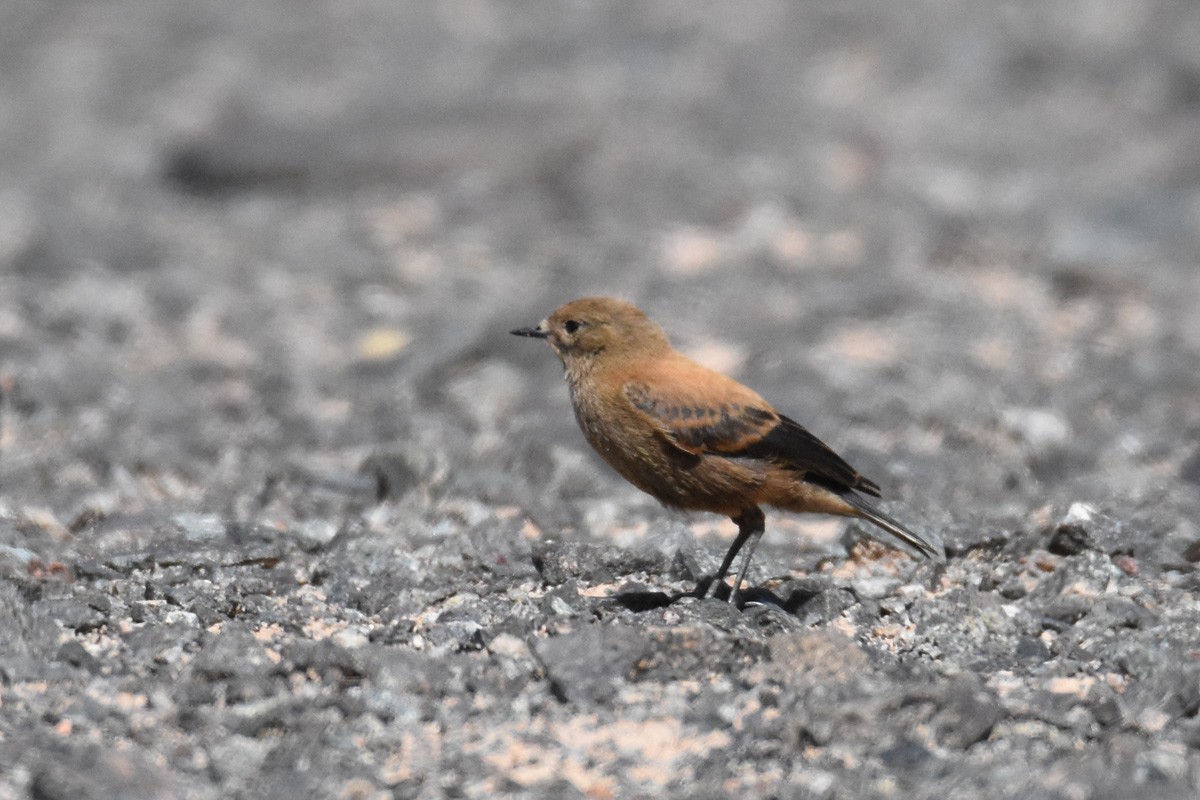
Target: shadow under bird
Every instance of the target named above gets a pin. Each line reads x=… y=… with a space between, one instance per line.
x=696 y=439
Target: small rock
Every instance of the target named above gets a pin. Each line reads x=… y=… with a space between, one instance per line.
x=1164 y=763
x=817 y=605
x=587 y=666
x=237 y=757
x=1107 y=712
x=76 y=655
x=323 y=656
x=84 y=773
x=350 y=638
x=233 y=652
x=1079 y=513
x=200 y=527
x=905 y=755
x=394 y=474
x=316 y=533
x=1069 y=539
x=75 y=614
x=1121 y=612
x=509 y=646
x=500 y=549
x=1126 y=563
x=1032 y=650
x=1041 y=429
x=177 y=616
x=968 y=714
x=875 y=587
x=560 y=607
x=818 y=658
x=18 y=556
x=1192 y=551
x=463 y=635
x=1014 y=588
x=1066 y=610
x=560 y=561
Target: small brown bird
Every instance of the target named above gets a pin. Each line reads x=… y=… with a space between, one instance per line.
x=696 y=439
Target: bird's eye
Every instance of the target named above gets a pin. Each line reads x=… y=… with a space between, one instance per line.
x=572 y=325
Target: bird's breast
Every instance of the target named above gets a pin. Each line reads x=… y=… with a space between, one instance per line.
x=623 y=440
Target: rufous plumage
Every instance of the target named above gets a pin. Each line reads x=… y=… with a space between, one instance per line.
x=696 y=439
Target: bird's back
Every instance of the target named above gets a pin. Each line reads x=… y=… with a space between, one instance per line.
x=694 y=437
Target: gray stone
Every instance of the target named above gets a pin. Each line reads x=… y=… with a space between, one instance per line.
x=587 y=667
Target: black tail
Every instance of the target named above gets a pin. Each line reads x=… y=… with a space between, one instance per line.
x=928 y=545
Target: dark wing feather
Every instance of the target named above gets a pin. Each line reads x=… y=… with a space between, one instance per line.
x=791 y=443
x=703 y=427
x=738 y=430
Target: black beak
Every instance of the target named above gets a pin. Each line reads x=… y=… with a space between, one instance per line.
x=533 y=333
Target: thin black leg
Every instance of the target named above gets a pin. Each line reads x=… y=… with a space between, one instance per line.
x=755 y=536
x=751 y=524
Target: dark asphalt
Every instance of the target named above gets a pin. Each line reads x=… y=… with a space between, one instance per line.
x=285 y=512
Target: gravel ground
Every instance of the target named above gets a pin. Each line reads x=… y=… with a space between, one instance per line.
x=284 y=512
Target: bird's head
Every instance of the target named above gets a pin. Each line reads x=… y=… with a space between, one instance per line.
x=583 y=329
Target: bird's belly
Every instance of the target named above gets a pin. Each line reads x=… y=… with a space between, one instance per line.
x=675 y=477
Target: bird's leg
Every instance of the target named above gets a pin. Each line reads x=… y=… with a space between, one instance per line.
x=751 y=524
x=719 y=578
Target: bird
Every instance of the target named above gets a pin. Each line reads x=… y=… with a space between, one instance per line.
x=698 y=440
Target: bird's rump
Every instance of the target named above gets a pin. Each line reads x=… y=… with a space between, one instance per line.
x=744 y=428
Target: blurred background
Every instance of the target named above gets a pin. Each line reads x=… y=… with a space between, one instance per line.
x=249 y=248
x=957 y=239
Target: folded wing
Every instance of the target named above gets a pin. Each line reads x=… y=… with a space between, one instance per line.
x=745 y=427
